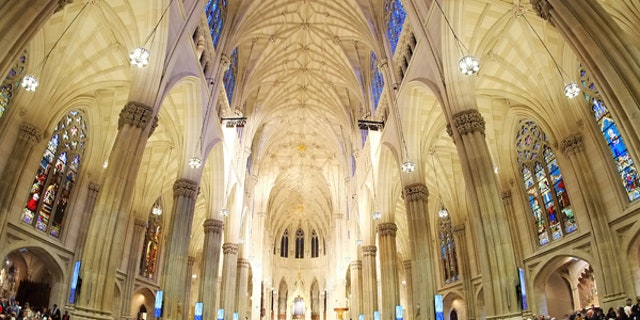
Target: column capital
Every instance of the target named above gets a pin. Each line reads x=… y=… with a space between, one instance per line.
x=415 y=192
x=387 y=229
x=355 y=265
x=571 y=145
x=469 y=121
x=139 y=223
x=136 y=115
x=29 y=133
x=243 y=263
x=407 y=264
x=224 y=61
x=185 y=188
x=191 y=260
x=369 y=251
x=505 y=194
x=449 y=130
x=542 y=8
x=459 y=228
x=94 y=187
x=230 y=248
x=213 y=225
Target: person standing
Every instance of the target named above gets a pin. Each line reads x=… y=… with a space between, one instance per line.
x=55 y=313
x=66 y=315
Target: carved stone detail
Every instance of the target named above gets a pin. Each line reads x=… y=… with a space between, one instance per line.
x=369 y=251
x=469 y=121
x=29 y=133
x=213 y=225
x=505 y=194
x=230 y=248
x=139 y=223
x=542 y=8
x=185 y=188
x=94 y=187
x=355 y=265
x=191 y=260
x=243 y=263
x=407 y=264
x=136 y=115
x=387 y=229
x=459 y=229
x=224 y=61
x=415 y=192
x=572 y=145
x=449 y=130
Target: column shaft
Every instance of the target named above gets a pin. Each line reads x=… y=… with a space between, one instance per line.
x=388 y=270
x=187 y=290
x=87 y=213
x=210 y=265
x=356 y=288
x=229 y=275
x=465 y=270
x=369 y=285
x=409 y=288
x=133 y=267
x=242 y=295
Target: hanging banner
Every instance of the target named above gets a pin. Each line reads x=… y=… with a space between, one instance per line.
x=439 y=307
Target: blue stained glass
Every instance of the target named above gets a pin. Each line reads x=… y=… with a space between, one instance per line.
x=395 y=21
x=230 y=75
x=622 y=159
x=377 y=82
x=364 y=134
x=215 y=11
x=10 y=83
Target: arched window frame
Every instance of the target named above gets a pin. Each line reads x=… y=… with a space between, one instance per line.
x=448 y=251
x=622 y=159
x=377 y=83
x=56 y=175
x=151 y=247
x=543 y=184
x=315 y=244
x=394 y=17
x=284 y=244
x=216 y=12
x=299 y=244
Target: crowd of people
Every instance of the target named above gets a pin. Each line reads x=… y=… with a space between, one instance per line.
x=629 y=311
x=14 y=311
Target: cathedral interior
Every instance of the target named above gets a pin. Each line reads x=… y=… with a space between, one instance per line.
x=319 y=159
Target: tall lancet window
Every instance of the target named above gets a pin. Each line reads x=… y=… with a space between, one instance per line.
x=299 y=244
x=284 y=244
x=622 y=159
x=315 y=244
x=56 y=174
x=11 y=83
x=448 y=253
x=216 y=11
x=230 y=75
x=152 y=236
x=550 y=205
x=377 y=82
x=395 y=16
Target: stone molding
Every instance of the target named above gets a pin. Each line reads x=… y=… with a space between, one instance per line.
x=506 y=194
x=369 y=251
x=94 y=187
x=542 y=8
x=407 y=264
x=185 y=188
x=230 y=248
x=243 y=263
x=572 y=145
x=29 y=133
x=191 y=260
x=213 y=225
x=469 y=121
x=136 y=115
x=449 y=130
x=459 y=229
x=415 y=192
x=139 y=223
x=387 y=229
x=355 y=265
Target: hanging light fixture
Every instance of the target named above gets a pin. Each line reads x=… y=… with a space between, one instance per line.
x=376 y=215
x=194 y=162
x=571 y=89
x=30 y=81
x=469 y=64
x=443 y=212
x=139 y=57
x=156 y=210
x=223 y=212
x=408 y=167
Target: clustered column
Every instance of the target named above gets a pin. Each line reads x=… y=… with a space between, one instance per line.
x=187 y=289
x=369 y=285
x=210 y=264
x=356 y=288
x=388 y=269
x=415 y=197
x=229 y=274
x=408 y=273
x=465 y=270
x=243 y=286
x=176 y=263
x=133 y=266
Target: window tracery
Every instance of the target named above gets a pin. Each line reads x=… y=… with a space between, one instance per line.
x=448 y=251
x=216 y=13
x=10 y=83
x=152 y=236
x=395 y=16
x=299 y=244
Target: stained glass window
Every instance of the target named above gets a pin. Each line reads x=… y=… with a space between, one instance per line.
x=377 y=82
x=395 y=16
x=284 y=244
x=299 y=244
x=230 y=75
x=11 y=83
x=622 y=159
x=448 y=254
x=216 y=11
x=56 y=174
x=315 y=245
x=364 y=134
x=150 y=250
x=544 y=185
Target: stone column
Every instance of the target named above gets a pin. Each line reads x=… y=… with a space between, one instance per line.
x=210 y=264
x=19 y=23
x=87 y=213
x=465 y=270
x=176 y=257
x=188 y=306
x=369 y=284
x=356 y=288
x=242 y=295
x=28 y=137
x=415 y=197
x=388 y=269
x=510 y=212
x=229 y=269
x=276 y=311
x=105 y=239
x=409 y=289
x=493 y=240
x=133 y=267
x=611 y=284
x=611 y=57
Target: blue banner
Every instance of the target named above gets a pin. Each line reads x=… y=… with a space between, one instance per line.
x=197 y=313
x=398 y=312
x=157 y=311
x=74 y=282
x=523 y=289
x=439 y=306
